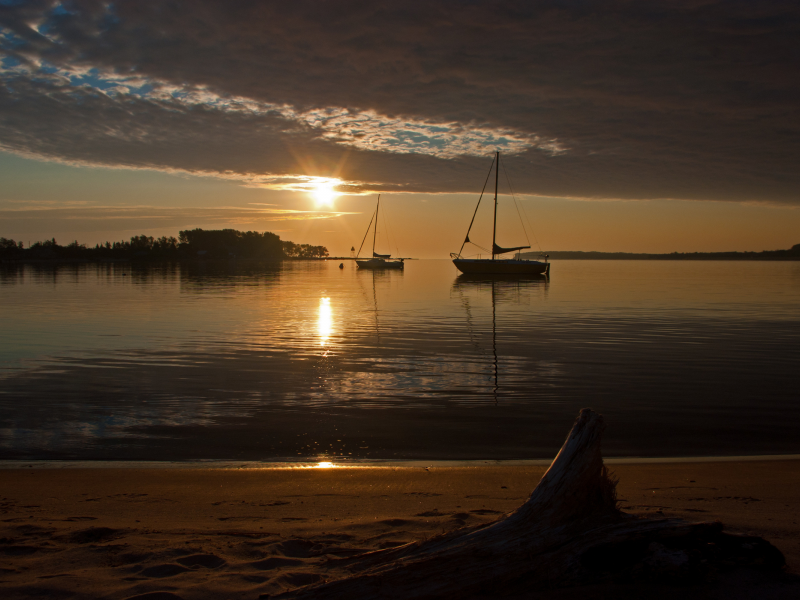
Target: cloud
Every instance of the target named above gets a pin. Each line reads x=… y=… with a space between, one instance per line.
x=79 y=216
x=687 y=99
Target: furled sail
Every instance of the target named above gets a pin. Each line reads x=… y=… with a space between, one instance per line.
x=498 y=250
x=376 y=255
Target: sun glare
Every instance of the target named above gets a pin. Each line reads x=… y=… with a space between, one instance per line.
x=324 y=193
x=324 y=464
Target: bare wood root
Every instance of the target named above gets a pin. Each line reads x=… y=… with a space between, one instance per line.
x=569 y=531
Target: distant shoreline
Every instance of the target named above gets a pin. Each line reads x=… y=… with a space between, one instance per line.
x=147 y=260
x=769 y=255
x=791 y=254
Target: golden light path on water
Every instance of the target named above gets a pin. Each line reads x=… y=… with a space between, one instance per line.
x=325 y=321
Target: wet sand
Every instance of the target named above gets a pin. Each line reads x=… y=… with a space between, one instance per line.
x=220 y=533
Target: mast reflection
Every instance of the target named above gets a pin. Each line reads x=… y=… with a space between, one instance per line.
x=377 y=276
x=501 y=289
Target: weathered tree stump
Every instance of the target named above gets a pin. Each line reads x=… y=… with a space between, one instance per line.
x=569 y=532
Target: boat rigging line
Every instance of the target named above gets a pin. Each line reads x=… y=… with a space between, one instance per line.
x=485 y=183
x=517 y=206
x=389 y=236
x=367 y=233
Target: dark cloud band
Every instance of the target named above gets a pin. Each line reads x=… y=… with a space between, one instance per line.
x=686 y=99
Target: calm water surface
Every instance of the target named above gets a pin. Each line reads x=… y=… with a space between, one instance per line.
x=309 y=361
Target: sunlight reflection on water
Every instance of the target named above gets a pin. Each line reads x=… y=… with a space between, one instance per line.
x=325 y=321
x=325 y=465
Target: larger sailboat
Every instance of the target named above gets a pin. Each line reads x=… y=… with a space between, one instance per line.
x=378 y=261
x=497 y=266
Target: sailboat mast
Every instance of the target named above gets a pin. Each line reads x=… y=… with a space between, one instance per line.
x=375 y=232
x=496 y=177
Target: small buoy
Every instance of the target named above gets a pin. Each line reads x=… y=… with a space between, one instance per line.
x=341 y=265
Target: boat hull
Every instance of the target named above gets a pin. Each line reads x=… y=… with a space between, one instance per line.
x=479 y=266
x=379 y=264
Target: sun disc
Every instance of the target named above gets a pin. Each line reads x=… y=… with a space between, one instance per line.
x=324 y=194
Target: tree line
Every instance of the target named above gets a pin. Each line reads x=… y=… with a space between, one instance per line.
x=190 y=244
x=792 y=253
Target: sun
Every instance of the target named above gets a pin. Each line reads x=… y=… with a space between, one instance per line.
x=324 y=193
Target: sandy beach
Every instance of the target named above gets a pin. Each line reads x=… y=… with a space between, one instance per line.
x=242 y=533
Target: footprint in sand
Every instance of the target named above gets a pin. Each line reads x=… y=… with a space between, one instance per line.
x=155 y=596
x=93 y=535
x=128 y=558
x=254 y=578
x=332 y=539
x=19 y=550
x=165 y=570
x=297 y=549
x=204 y=561
x=431 y=513
x=298 y=579
x=275 y=562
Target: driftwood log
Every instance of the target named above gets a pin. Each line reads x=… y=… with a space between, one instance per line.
x=569 y=532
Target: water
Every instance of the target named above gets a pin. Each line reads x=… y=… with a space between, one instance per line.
x=309 y=361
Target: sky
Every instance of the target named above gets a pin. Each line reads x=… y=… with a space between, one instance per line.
x=622 y=125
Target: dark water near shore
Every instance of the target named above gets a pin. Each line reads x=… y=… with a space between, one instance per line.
x=307 y=361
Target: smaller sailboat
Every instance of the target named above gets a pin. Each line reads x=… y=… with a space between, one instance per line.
x=513 y=267
x=378 y=261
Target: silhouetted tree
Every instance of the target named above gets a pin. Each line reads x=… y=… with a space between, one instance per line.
x=47 y=249
x=230 y=243
x=9 y=248
x=304 y=250
x=222 y=243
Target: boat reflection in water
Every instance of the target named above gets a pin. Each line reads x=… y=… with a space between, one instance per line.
x=503 y=289
x=379 y=275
